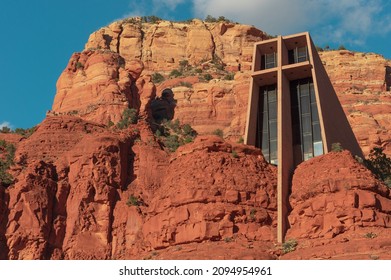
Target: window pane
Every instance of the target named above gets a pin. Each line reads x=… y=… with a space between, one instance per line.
x=301 y=54
x=305 y=105
x=314 y=112
x=273 y=130
x=318 y=148
x=307 y=144
x=272 y=95
x=306 y=124
x=316 y=131
x=273 y=110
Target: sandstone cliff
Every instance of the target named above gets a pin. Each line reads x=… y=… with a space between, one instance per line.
x=85 y=189
x=117 y=70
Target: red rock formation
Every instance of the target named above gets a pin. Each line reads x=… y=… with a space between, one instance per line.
x=74 y=179
x=84 y=190
x=114 y=73
x=334 y=193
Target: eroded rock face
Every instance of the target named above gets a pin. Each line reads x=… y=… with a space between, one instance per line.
x=74 y=178
x=163 y=45
x=332 y=194
x=114 y=73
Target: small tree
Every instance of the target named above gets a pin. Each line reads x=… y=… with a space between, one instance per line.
x=336 y=147
x=129 y=116
x=157 y=78
x=380 y=165
x=175 y=73
x=218 y=132
x=341 y=47
x=5 y=129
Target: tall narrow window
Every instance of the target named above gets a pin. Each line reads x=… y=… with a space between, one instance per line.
x=269 y=60
x=307 y=139
x=267 y=123
x=297 y=55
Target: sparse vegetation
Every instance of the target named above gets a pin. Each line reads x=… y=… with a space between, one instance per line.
x=25 y=132
x=208 y=77
x=210 y=18
x=157 y=78
x=129 y=116
x=79 y=65
x=173 y=135
x=218 y=132
x=380 y=165
x=132 y=201
x=252 y=214
x=5 y=129
x=175 y=73
x=341 y=47
x=228 y=239
x=234 y=154
x=240 y=140
x=336 y=147
x=370 y=235
x=229 y=76
x=150 y=19
x=6 y=162
x=289 y=246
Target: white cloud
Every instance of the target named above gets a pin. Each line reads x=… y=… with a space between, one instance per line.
x=153 y=7
x=342 y=20
x=3 y=124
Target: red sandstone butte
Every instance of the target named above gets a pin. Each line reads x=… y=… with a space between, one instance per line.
x=87 y=190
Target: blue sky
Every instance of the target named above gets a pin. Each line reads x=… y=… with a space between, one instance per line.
x=38 y=37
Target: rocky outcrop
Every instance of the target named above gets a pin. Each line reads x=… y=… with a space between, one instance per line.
x=334 y=193
x=116 y=71
x=161 y=46
x=85 y=191
x=362 y=82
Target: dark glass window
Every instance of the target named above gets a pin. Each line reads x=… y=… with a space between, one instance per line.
x=307 y=139
x=269 y=61
x=297 y=55
x=267 y=123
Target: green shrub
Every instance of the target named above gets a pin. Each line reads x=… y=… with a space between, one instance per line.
x=150 y=19
x=341 y=47
x=380 y=165
x=9 y=150
x=370 y=235
x=175 y=73
x=218 y=132
x=234 y=154
x=229 y=77
x=209 y=18
x=110 y=123
x=132 y=201
x=79 y=65
x=129 y=116
x=157 y=78
x=188 y=130
x=208 y=77
x=252 y=214
x=5 y=129
x=25 y=132
x=172 y=134
x=171 y=142
x=240 y=140
x=336 y=147
x=184 y=64
x=289 y=246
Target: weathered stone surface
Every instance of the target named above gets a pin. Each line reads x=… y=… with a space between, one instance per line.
x=334 y=193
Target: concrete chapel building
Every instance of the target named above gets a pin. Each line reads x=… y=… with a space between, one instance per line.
x=293 y=111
